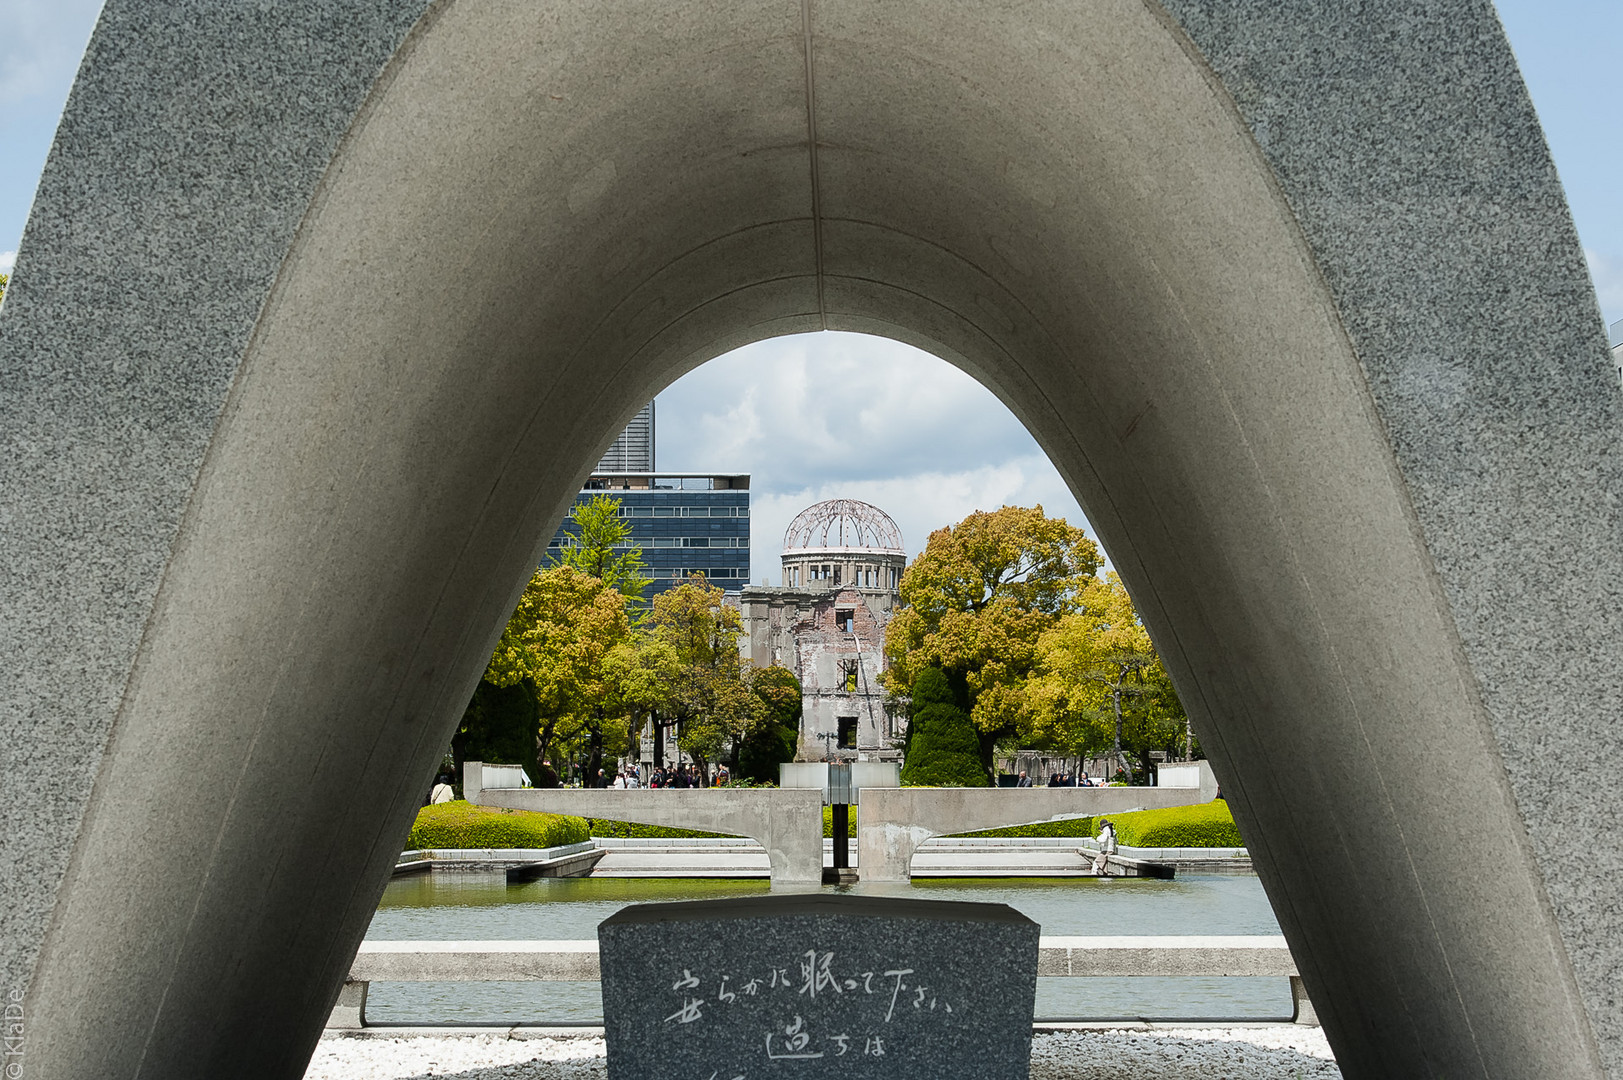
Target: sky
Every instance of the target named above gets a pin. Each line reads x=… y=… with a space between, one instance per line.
x=928 y=444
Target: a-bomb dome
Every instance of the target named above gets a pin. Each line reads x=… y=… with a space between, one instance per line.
x=843 y=525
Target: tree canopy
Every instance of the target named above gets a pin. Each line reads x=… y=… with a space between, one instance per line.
x=1099 y=684
x=776 y=735
x=977 y=601
x=942 y=747
x=710 y=698
x=557 y=643
x=601 y=547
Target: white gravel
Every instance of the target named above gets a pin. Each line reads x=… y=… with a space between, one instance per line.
x=1273 y=1052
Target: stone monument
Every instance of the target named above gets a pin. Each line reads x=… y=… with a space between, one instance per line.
x=815 y=985
x=1288 y=292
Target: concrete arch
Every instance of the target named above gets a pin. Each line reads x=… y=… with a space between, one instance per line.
x=321 y=313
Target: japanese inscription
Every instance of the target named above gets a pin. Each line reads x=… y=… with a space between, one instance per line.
x=785 y=987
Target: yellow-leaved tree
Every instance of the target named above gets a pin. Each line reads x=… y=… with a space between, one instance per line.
x=709 y=697
x=557 y=644
x=976 y=603
x=1099 y=682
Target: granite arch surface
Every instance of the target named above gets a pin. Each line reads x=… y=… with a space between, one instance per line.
x=321 y=313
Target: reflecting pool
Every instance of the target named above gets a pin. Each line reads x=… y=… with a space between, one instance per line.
x=483 y=907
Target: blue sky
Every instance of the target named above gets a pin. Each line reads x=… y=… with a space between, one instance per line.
x=753 y=411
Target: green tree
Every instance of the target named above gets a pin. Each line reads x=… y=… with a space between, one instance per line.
x=600 y=547
x=776 y=737
x=5 y=279
x=1100 y=683
x=976 y=603
x=566 y=625
x=710 y=702
x=944 y=749
x=499 y=726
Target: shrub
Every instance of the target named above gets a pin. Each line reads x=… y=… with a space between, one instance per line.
x=1077 y=827
x=631 y=830
x=943 y=748
x=828 y=822
x=1205 y=825
x=460 y=824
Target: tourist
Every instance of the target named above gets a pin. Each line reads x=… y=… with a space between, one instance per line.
x=442 y=792
x=722 y=776
x=1107 y=848
x=620 y=780
x=1055 y=779
x=631 y=778
x=1024 y=781
x=548 y=777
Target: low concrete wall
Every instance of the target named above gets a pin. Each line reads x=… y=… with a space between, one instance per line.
x=893 y=822
x=788 y=823
x=577 y=961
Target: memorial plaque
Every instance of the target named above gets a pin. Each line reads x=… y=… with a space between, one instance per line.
x=810 y=985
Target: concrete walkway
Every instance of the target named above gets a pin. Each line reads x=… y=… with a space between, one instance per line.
x=787 y=822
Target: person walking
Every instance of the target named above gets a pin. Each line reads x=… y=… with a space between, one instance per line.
x=1107 y=848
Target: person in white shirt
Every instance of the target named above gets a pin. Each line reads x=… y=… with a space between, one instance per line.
x=620 y=780
x=1107 y=848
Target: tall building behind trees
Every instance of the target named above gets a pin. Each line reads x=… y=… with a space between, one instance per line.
x=686 y=523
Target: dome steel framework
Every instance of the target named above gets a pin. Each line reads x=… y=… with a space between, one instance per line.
x=843 y=523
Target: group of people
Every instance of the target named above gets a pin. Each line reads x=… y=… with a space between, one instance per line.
x=676 y=776
x=1060 y=779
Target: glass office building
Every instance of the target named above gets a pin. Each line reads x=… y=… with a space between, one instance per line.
x=685 y=523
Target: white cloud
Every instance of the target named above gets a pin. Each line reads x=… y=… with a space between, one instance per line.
x=1608 y=275
x=41 y=42
x=822 y=416
x=8 y=259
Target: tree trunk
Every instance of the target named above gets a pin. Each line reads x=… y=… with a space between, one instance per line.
x=594 y=755
x=1116 y=759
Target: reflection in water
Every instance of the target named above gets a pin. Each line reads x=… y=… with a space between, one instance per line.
x=472 y=906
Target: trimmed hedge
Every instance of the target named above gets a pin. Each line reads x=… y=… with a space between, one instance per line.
x=633 y=830
x=1077 y=827
x=828 y=822
x=1205 y=825
x=460 y=824
x=943 y=748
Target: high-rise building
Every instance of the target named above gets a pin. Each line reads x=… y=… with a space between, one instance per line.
x=633 y=450
x=685 y=523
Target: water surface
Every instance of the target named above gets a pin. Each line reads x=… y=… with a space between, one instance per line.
x=483 y=907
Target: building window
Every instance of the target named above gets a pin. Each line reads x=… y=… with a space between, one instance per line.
x=850 y=669
x=848 y=732
x=846 y=620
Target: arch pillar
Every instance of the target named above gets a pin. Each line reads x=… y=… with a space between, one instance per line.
x=322 y=313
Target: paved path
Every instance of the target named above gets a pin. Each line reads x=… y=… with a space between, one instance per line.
x=1163 y=1052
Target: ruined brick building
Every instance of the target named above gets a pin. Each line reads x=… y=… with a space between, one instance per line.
x=842 y=566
